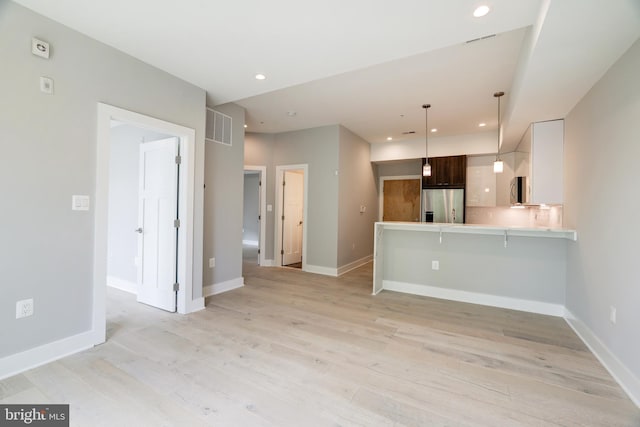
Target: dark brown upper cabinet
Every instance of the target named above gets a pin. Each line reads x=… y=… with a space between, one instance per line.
x=446 y=172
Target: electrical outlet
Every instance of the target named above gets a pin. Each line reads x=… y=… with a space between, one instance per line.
x=24 y=308
x=212 y=262
x=613 y=314
x=435 y=265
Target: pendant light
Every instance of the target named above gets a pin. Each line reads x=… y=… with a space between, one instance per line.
x=498 y=165
x=426 y=168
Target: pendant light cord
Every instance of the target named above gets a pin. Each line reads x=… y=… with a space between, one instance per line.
x=426 y=130
x=498 y=95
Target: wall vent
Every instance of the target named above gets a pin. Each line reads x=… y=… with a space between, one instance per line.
x=218 y=127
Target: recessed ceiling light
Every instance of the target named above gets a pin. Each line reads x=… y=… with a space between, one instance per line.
x=482 y=125
x=434 y=130
x=260 y=77
x=481 y=11
x=389 y=138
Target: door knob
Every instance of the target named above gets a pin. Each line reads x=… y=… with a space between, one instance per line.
x=138 y=230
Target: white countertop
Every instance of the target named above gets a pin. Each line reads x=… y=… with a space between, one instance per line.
x=560 y=233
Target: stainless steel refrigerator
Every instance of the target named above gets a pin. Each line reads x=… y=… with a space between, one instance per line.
x=443 y=205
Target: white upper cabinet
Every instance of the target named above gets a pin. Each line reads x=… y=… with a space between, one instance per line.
x=544 y=141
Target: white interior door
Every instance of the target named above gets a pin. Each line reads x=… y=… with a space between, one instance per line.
x=157 y=212
x=293 y=204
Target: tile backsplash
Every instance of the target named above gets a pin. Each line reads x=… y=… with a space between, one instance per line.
x=528 y=216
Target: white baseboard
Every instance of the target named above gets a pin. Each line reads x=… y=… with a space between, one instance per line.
x=122 y=284
x=355 y=264
x=252 y=243
x=325 y=271
x=32 y=358
x=269 y=263
x=476 y=298
x=218 y=288
x=627 y=380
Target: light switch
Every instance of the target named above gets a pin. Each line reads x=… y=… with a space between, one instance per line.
x=269 y=208
x=80 y=203
x=46 y=85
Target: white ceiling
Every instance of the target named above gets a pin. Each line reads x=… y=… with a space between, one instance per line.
x=370 y=64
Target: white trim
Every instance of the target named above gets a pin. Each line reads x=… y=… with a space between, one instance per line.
x=252 y=243
x=122 y=284
x=353 y=265
x=263 y=212
x=218 y=288
x=278 y=214
x=624 y=377
x=38 y=356
x=325 y=271
x=395 y=178
x=196 y=305
x=269 y=263
x=490 y=230
x=530 y=306
x=106 y=113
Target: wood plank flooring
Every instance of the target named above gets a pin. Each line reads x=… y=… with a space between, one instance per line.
x=297 y=349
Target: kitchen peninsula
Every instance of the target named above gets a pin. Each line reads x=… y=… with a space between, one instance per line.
x=511 y=267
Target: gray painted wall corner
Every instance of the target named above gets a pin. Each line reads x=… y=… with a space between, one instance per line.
x=357 y=188
x=318 y=148
x=258 y=151
x=601 y=156
x=223 y=200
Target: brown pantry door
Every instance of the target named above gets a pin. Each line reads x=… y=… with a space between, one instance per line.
x=401 y=200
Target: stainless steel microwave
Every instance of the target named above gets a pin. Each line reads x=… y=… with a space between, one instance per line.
x=519 y=190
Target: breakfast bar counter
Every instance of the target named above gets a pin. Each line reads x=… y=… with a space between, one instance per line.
x=512 y=267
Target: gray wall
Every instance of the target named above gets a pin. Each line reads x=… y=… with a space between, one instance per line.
x=258 y=151
x=224 y=180
x=400 y=167
x=602 y=149
x=357 y=187
x=124 y=166
x=47 y=249
x=251 y=209
x=317 y=147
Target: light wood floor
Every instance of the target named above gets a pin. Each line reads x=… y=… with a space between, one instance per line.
x=296 y=349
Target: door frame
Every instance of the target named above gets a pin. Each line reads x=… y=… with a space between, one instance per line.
x=278 y=212
x=186 y=193
x=262 y=172
x=381 y=192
